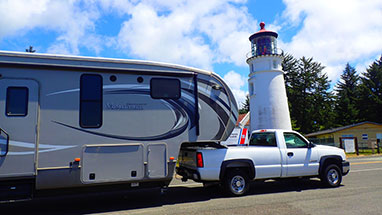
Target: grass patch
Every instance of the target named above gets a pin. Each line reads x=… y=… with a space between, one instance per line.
x=364 y=152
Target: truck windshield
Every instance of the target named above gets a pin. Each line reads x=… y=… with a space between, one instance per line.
x=263 y=139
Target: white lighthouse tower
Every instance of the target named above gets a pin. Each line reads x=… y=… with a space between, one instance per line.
x=268 y=99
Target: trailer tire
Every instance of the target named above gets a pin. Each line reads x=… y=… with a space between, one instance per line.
x=236 y=182
x=332 y=176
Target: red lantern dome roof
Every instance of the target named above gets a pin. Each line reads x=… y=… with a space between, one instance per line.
x=263 y=32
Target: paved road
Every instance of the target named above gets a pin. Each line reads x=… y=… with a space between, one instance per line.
x=361 y=193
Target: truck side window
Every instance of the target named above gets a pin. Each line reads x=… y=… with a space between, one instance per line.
x=17 y=101
x=164 y=88
x=91 y=101
x=292 y=140
x=263 y=139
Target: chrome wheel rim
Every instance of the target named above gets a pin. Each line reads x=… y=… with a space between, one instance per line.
x=237 y=184
x=333 y=176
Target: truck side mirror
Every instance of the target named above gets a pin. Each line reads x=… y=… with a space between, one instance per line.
x=311 y=145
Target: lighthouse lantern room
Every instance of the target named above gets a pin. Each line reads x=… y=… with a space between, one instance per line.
x=263 y=42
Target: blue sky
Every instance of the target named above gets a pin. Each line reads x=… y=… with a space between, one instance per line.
x=211 y=35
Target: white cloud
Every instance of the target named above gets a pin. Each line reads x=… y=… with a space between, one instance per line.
x=154 y=37
x=73 y=23
x=195 y=33
x=119 y=6
x=236 y=82
x=335 y=32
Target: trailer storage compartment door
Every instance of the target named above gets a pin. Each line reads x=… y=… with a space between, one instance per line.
x=157 y=160
x=108 y=163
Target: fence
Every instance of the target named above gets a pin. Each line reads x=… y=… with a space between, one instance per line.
x=372 y=146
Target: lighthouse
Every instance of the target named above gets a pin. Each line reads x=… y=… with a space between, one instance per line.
x=268 y=99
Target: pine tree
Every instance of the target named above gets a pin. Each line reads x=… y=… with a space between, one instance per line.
x=311 y=105
x=370 y=104
x=323 y=103
x=245 y=105
x=347 y=98
x=289 y=66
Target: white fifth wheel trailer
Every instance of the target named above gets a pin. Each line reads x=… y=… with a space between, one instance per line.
x=70 y=122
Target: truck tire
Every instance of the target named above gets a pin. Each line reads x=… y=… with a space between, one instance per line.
x=332 y=176
x=236 y=182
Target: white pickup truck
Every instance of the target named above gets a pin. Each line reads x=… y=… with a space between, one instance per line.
x=270 y=154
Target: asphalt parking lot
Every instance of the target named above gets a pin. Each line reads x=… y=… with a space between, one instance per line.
x=361 y=193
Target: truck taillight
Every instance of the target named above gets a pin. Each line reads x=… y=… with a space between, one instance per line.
x=199 y=159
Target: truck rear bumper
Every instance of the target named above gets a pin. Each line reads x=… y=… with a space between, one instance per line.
x=345 y=167
x=188 y=173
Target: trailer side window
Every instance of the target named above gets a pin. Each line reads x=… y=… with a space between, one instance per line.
x=165 y=88
x=17 y=101
x=91 y=101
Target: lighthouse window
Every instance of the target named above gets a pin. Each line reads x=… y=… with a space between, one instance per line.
x=251 y=89
x=264 y=46
x=91 y=101
x=164 y=88
x=275 y=64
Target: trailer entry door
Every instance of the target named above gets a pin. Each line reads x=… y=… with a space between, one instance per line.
x=18 y=119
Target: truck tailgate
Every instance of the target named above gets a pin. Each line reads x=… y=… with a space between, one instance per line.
x=187 y=155
x=187 y=158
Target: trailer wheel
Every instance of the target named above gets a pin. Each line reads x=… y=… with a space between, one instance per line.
x=332 y=177
x=236 y=182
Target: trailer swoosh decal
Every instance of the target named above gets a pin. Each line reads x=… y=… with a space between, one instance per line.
x=114 y=86
x=41 y=148
x=170 y=134
x=64 y=91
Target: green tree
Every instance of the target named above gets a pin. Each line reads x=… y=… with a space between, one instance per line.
x=245 y=105
x=310 y=102
x=347 y=97
x=289 y=66
x=370 y=104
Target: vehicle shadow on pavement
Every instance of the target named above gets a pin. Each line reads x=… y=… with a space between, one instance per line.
x=143 y=199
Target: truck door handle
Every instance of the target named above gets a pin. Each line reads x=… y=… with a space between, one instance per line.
x=290 y=154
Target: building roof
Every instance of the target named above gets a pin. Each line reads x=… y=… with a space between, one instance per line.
x=332 y=130
x=241 y=116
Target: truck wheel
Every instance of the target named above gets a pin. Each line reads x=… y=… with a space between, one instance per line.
x=332 y=176
x=236 y=183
